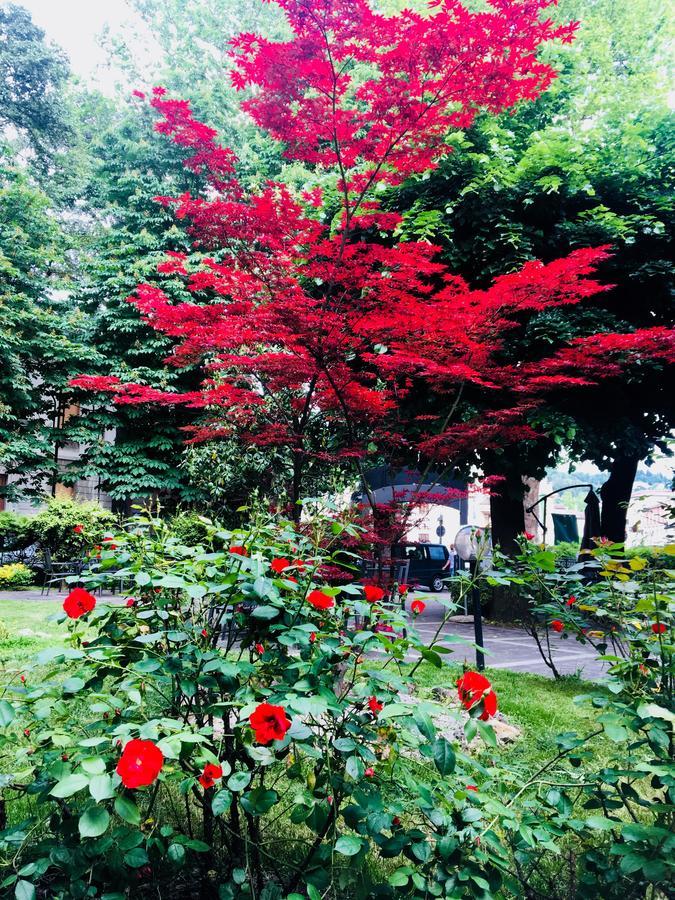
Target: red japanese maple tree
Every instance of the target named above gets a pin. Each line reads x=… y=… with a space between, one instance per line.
x=306 y=306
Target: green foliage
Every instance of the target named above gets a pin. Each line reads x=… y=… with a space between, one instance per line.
x=589 y=162
x=32 y=76
x=211 y=636
x=349 y=801
x=15 y=531
x=625 y=609
x=15 y=575
x=54 y=527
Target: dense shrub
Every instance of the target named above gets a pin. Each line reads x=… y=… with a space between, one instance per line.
x=15 y=531
x=15 y=575
x=67 y=528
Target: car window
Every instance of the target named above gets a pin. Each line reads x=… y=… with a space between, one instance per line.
x=437 y=553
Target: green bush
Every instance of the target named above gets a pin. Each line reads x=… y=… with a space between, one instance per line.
x=15 y=575
x=15 y=531
x=68 y=528
x=191 y=528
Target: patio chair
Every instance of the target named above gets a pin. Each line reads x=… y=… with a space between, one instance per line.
x=57 y=572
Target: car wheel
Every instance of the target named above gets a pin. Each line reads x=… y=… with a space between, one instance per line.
x=437 y=584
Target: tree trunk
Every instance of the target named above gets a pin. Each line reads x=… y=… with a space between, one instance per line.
x=507 y=513
x=615 y=494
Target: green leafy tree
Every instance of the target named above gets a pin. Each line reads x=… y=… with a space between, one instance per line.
x=590 y=162
x=32 y=77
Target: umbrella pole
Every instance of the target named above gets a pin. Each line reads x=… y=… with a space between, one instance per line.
x=477 y=617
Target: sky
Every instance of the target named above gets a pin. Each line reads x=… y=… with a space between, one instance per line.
x=75 y=26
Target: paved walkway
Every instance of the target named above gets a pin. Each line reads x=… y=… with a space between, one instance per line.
x=505 y=647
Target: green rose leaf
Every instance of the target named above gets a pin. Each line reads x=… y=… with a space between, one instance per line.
x=24 y=890
x=94 y=821
x=221 y=802
x=444 y=756
x=348 y=845
x=69 y=785
x=127 y=810
x=101 y=788
x=7 y=716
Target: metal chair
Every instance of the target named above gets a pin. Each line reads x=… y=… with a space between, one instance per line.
x=57 y=572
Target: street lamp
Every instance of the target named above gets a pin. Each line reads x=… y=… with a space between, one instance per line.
x=473 y=545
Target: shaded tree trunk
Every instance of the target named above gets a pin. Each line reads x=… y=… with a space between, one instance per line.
x=615 y=494
x=507 y=512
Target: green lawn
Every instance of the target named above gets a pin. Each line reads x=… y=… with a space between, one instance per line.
x=25 y=628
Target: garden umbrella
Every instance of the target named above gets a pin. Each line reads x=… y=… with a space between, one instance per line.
x=591 y=524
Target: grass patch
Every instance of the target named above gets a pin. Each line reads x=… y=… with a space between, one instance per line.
x=27 y=629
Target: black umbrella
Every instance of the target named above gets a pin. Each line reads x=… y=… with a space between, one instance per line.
x=591 y=525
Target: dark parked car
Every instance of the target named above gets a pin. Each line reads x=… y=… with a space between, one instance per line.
x=427 y=563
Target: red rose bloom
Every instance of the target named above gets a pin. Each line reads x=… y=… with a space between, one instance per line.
x=528 y=535
x=239 y=551
x=417 y=607
x=78 y=529
x=373 y=593
x=210 y=775
x=403 y=589
x=474 y=688
x=319 y=600
x=312 y=637
x=471 y=787
x=269 y=722
x=140 y=763
x=557 y=625
x=572 y=600
x=278 y=565
x=658 y=628
x=374 y=705
x=131 y=601
x=109 y=542
x=369 y=772
x=78 y=602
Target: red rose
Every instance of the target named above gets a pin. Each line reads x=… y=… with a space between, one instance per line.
x=374 y=705
x=319 y=600
x=109 y=542
x=78 y=529
x=557 y=625
x=131 y=601
x=373 y=593
x=278 y=565
x=396 y=821
x=23 y=679
x=528 y=535
x=78 y=602
x=312 y=637
x=239 y=551
x=417 y=607
x=474 y=688
x=260 y=649
x=658 y=628
x=210 y=775
x=140 y=763
x=299 y=564
x=572 y=600
x=204 y=632
x=403 y=589
x=471 y=787
x=269 y=722
x=369 y=772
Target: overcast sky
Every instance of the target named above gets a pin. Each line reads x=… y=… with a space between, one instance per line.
x=75 y=26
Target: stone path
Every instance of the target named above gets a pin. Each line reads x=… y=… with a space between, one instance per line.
x=506 y=647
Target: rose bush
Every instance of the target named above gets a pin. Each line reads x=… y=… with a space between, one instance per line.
x=218 y=733
x=229 y=725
